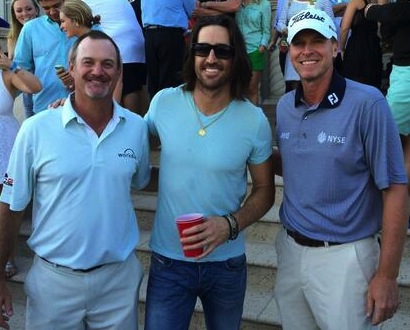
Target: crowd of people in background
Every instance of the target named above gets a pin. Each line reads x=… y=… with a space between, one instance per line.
x=193 y=70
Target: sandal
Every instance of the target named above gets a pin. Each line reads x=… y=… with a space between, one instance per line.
x=10 y=269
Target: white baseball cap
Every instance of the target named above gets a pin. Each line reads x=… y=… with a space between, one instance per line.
x=313 y=19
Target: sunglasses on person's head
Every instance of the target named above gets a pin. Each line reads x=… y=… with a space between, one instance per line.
x=221 y=51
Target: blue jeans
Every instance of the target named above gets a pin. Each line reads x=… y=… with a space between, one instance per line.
x=174 y=285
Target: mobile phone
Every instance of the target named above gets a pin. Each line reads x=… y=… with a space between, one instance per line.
x=59 y=67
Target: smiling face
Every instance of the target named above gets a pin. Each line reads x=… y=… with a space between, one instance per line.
x=24 y=10
x=213 y=73
x=68 y=26
x=96 y=69
x=312 y=55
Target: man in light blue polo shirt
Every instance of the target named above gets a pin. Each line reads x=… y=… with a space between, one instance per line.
x=344 y=182
x=79 y=162
x=40 y=46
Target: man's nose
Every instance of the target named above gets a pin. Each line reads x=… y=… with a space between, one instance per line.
x=211 y=56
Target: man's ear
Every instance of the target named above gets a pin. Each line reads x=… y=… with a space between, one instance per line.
x=70 y=66
x=335 y=47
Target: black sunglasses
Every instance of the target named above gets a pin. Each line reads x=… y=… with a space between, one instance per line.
x=221 y=51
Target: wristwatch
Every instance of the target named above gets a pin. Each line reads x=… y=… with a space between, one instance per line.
x=14 y=67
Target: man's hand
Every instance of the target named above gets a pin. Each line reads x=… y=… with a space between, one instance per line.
x=213 y=232
x=382 y=299
x=66 y=79
x=5 y=62
x=6 y=305
x=57 y=103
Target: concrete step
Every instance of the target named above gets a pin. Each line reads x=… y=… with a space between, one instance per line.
x=260 y=311
x=263 y=230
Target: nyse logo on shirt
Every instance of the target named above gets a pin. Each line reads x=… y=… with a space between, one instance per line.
x=324 y=137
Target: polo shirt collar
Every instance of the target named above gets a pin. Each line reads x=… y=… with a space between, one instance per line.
x=69 y=114
x=333 y=96
x=49 y=20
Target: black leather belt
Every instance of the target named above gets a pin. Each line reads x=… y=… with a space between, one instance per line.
x=306 y=241
x=148 y=27
x=161 y=27
x=74 y=270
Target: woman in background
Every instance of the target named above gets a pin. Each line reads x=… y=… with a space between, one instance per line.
x=21 y=12
x=12 y=80
x=76 y=18
x=254 y=21
x=361 y=53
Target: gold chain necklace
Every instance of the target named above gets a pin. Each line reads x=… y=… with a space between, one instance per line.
x=202 y=130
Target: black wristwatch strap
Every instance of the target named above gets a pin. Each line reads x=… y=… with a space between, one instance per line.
x=233 y=226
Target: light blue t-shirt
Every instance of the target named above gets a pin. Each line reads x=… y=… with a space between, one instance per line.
x=83 y=214
x=337 y=158
x=40 y=46
x=205 y=174
x=171 y=13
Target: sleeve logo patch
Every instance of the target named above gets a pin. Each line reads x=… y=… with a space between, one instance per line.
x=8 y=181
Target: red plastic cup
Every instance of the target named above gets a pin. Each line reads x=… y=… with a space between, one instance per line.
x=186 y=221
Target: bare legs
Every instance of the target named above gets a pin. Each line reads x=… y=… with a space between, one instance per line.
x=254 y=87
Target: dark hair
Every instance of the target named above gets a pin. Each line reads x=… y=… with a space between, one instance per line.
x=95 y=35
x=241 y=71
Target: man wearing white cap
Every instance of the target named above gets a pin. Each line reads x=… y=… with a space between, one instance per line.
x=344 y=182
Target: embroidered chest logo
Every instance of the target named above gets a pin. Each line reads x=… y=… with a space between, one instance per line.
x=128 y=153
x=329 y=138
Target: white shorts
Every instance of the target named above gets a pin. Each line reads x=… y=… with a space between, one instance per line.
x=324 y=287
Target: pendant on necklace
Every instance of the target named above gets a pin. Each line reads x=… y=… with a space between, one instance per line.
x=201 y=132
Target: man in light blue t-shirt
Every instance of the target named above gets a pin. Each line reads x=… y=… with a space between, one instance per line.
x=210 y=137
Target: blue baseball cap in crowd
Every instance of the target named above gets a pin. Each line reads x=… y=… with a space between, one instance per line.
x=313 y=19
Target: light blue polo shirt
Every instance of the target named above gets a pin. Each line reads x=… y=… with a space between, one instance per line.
x=205 y=174
x=40 y=46
x=83 y=214
x=337 y=158
x=170 y=13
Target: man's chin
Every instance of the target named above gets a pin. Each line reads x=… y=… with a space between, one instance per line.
x=97 y=94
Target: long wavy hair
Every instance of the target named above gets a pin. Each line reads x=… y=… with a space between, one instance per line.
x=16 y=26
x=80 y=13
x=241 y=71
